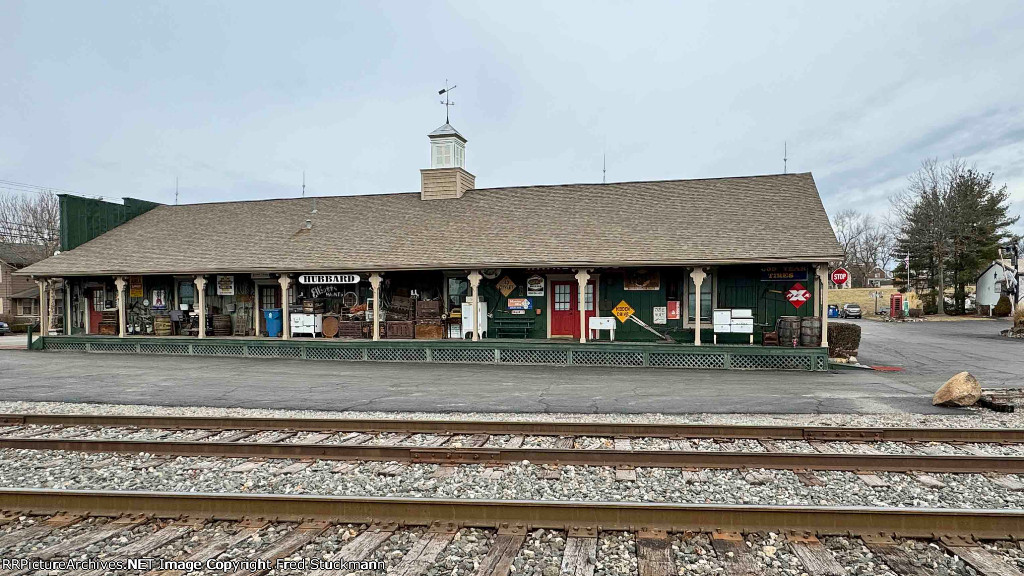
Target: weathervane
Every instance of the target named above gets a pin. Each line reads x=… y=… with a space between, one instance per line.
x=447 y=101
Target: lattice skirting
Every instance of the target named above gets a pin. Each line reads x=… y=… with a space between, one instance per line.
x=685 y=360
x=625 y=356
x=759 y=362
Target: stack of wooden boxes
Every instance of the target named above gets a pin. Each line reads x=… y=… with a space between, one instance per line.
x=428 y=320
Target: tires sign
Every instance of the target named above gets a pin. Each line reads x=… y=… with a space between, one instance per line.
x=840 y=276
x=797 y=295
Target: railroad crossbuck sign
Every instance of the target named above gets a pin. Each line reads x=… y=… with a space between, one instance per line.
x=840 y=276
x=798 y=295
x=623 y=311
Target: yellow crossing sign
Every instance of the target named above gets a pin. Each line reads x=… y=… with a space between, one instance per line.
x=623 y=311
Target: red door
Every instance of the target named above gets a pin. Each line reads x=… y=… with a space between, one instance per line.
x=95 y=309
x=565 y=307
x=270 y=297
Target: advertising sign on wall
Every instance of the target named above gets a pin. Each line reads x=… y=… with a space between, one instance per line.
x=673 y=309
x=159 y=299
x=225 y=285
x=135 y=286
x=535 y=285
x=520 y=304
x=784 y=273
x=797 y=295
x=660 y=314
x=329 y=279
x=642 y=280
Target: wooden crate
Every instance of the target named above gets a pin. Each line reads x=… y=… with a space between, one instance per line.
x=428 y=309
x=428 y=330
x=400 y=329
x=350 y=329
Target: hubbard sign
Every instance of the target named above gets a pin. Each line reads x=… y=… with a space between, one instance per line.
x=329 y=279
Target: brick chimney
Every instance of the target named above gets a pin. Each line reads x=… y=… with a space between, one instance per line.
x=447 y=176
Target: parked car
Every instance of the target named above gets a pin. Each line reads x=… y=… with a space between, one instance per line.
x=850 y=311
x=4 y=328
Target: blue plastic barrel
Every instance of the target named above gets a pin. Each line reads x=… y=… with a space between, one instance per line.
x=272 y=316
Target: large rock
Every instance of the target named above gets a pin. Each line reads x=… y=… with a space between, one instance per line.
x=960 y=390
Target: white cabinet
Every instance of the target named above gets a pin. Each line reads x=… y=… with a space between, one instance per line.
x=312 y=324
x=467 y=318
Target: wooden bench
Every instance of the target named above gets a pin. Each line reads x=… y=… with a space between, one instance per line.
x=512 y=327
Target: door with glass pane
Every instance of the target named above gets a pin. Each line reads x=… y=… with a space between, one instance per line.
x=565 y=308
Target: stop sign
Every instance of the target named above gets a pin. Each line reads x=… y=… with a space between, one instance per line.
x=840 y=276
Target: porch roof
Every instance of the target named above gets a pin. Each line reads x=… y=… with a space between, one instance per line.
x=755 y=219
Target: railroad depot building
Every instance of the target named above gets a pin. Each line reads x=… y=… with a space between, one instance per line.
x=682 y=263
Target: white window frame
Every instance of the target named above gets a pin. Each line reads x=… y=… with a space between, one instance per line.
x=442 y=154
x=459 y=157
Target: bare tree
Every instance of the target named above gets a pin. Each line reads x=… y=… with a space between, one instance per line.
x=850 y=226
x=30 y=218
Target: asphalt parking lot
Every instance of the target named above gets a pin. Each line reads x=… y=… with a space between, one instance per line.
x=929 y=352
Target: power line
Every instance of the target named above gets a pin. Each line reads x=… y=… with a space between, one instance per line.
x=25 y=187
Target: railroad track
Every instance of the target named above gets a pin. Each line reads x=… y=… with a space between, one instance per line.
x=462 y=442
x=364 y=529
x=661 y=537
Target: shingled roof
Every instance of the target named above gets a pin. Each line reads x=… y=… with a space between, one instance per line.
x=17 y=254
x=757 y=219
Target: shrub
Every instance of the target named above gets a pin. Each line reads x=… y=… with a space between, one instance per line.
x=843 y=339
x=1018 y=316
x=1002 y=308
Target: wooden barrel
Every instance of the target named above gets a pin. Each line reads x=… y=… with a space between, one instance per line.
x=161 y=325
x=330 y=326
x=222 y=325
x=789 y=329
x=810 y=331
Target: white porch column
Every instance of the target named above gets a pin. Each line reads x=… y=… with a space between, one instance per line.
x=44 y=321
x=375 y=279
x=698 y=275
x=823 y=277
x=200 y=283
x=122 y=305
x=256 y=308
x=582 y=277
x=474 y=284
x=286 y=320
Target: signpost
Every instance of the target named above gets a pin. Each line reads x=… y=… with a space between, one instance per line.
x=840 y=276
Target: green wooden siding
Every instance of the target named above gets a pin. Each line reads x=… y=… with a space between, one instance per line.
x=82 y=219
x=644 y=302
x=742 y=287
x=497 y=303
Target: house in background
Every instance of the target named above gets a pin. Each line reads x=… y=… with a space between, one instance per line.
x=19 y=295
x=878 y=277
x=998 y=279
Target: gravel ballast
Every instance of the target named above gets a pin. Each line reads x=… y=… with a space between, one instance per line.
x=522 y=481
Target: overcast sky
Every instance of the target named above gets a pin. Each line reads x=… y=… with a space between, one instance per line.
x=238 y=98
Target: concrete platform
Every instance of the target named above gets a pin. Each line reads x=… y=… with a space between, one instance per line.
x=930 y=353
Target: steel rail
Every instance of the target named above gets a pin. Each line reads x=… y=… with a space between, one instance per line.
x=520 y=514
x=638 y=430
x=560 y=456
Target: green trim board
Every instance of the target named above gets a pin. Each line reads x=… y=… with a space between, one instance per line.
x=488 y=351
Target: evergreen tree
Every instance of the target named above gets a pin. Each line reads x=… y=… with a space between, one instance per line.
x=953 y=222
